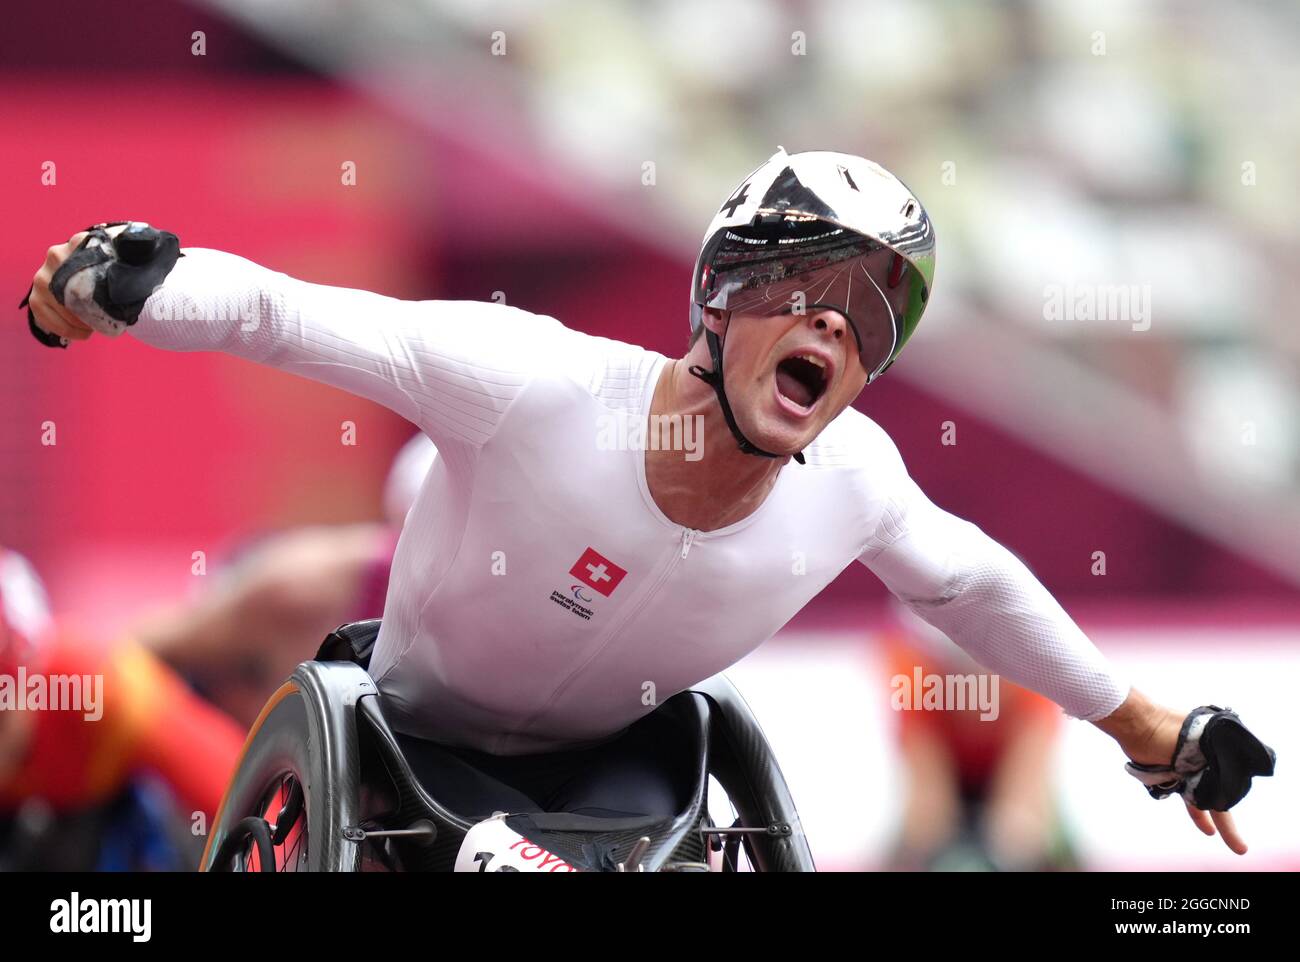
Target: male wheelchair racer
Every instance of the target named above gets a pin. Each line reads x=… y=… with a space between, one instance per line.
x=324 y=784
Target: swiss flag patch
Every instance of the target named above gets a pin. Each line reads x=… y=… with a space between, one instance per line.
x=596 y=571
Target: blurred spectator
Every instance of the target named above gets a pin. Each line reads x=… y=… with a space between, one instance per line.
x=979 y=790
x=282 y=595
x=128 y=777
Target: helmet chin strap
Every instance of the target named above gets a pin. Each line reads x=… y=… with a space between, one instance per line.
x=714 y=380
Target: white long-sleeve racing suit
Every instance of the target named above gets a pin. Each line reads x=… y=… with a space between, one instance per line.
x=539 y=599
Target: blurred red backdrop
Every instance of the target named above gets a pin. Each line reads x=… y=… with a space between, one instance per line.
x=160 y=455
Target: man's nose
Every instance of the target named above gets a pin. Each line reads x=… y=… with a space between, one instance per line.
x=829 y=323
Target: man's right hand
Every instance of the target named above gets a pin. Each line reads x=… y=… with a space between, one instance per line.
x=51 y=316
x=99 y=281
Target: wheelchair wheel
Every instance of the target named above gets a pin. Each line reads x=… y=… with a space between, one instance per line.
x=294 y=793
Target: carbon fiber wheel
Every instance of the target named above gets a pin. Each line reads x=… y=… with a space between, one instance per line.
x=293 y=795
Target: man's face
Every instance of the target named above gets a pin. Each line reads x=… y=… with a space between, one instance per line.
x=789 y=375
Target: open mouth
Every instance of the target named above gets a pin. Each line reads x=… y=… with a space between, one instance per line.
x=802 y=379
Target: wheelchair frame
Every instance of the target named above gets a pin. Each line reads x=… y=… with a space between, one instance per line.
x=323 y=735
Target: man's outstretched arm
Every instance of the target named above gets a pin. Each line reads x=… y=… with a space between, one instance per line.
x=987 y=601
x=980 y=595
x=451 y=367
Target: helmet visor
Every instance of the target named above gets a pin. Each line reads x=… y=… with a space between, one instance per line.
x=878 y=291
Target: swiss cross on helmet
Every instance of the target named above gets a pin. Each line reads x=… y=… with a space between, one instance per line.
x=812 y=230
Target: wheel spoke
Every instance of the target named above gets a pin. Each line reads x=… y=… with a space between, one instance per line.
x=285 y=801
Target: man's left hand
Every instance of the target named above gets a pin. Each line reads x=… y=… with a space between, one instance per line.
x=1208 y=757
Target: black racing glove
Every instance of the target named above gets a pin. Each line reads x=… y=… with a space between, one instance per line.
x=1214 y=761
x=108 y=279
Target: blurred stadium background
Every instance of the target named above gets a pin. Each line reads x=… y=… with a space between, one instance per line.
x=567 y=155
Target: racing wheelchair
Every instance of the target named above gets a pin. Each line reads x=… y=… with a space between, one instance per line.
x=324 y=784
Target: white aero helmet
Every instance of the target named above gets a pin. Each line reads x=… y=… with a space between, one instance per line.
x=821 y=229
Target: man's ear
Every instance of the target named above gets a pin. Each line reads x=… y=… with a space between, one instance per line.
x=716 y=320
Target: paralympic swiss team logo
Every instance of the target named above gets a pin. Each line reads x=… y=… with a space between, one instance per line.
x=595 y=573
